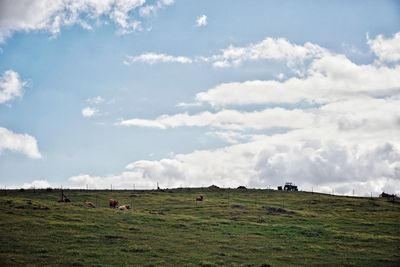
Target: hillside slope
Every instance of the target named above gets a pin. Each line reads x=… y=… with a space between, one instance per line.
x=229 y=228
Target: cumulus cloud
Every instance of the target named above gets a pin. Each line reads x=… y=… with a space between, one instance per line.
x=11 y=86
x=268 y=49
x=201 y=21
x=52 y=15
x=324 y=164
x=387 y=49
x=22 y=143
x=88 y=112
x=152 y=58
x=329 y=78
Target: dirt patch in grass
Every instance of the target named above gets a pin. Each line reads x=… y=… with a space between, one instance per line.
x=114 y=237
x=311 y=233
x=277 y=211
x=261 y=220
x=237 y=206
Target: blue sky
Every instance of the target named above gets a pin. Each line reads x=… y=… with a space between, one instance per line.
x=63 y=68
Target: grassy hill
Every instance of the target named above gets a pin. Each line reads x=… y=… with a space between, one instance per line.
x=229 y=228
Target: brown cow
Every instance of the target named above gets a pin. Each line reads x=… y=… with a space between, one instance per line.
x=199 y=198
x=90 y=204
x=124 y=207
x=113 y=203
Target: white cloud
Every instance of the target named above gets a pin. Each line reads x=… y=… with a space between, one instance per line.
x=268 y=49
x=329 y=78
x=152 y=58
x=188 y=105
x=324 y=164
x=52 y=15
x=387 y=49
x=148 y=10
x=22 y=143
x=230 y=119
x=151 y=10
x=201 y=21
x=95 y=100
x=88 y=112
x=280 y=76
x=37 y=184
x=11 y=86
x=232 y=137
x=167 y=2
x=120 y=181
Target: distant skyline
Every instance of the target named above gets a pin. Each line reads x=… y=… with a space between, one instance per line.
x=195 y=93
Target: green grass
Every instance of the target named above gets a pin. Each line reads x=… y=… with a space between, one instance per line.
x=229 y=228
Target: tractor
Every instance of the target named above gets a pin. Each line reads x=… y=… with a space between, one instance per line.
x=290 y=187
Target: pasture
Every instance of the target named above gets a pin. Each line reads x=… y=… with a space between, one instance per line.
x=171 y=228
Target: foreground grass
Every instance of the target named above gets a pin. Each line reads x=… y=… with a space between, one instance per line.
x=230 y=228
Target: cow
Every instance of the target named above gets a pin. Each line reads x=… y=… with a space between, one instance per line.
x=65 y=199
x=90 y=204
x=124 y=207
x=113 y=203
x=199 y=198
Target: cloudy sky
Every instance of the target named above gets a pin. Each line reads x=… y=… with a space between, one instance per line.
x=194 y=93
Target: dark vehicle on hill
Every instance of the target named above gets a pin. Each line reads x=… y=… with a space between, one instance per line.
x=387 y=195
x=290 y=187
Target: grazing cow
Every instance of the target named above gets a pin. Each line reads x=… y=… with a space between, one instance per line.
x=90 y=204
x=124 y=207
x=113 y=203
x=199 y=198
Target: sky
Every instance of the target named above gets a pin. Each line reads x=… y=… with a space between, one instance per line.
x=129 y=93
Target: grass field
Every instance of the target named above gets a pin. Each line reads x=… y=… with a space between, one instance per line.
x=229 y=228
